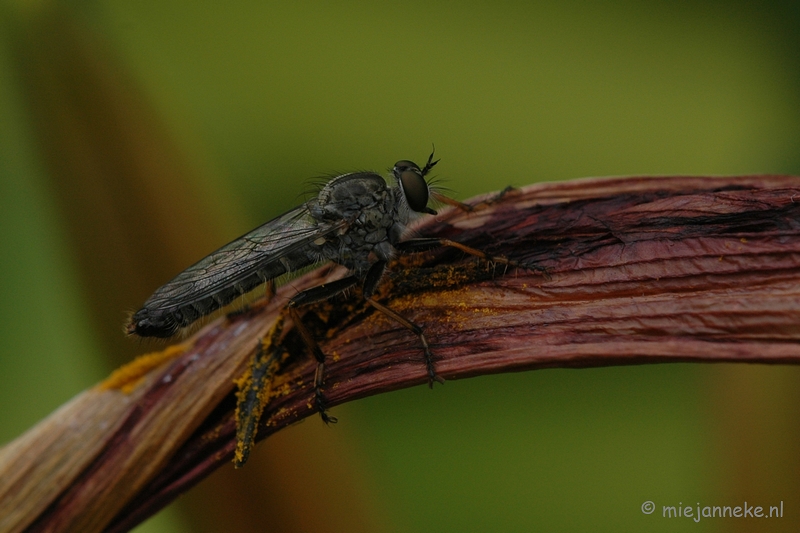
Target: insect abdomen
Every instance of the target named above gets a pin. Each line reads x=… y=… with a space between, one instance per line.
x=154 y=321
x=162 y=315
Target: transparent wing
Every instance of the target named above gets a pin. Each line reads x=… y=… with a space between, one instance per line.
x=273 y=242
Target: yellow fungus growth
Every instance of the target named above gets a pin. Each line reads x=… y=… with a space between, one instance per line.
x=127 y=377
x=248 y=412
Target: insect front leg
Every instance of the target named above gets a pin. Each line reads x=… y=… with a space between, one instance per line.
x=424 y=244
x=439 y=197
x=370 y=284
x=309 y=296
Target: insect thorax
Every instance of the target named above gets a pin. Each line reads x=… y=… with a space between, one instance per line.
x=374 y=217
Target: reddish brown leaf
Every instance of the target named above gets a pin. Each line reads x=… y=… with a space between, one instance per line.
x=642 y=270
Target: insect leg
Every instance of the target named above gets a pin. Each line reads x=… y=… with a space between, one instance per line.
x=423 y=243
x=370 y=284
x=439 y=197
x=309 y=296
x=269 y=294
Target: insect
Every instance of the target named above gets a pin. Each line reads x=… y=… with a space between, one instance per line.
x=356 y=220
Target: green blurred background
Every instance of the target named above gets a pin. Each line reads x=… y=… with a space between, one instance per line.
x=135 y=137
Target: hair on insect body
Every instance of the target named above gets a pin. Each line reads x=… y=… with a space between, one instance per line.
x=357 y=220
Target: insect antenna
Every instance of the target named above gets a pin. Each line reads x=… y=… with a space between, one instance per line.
x=430 y=164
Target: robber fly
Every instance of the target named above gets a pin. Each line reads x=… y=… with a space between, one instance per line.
x=356 y=220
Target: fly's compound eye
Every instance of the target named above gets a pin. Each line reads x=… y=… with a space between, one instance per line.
x=413 y=184
x=403 y=165
x=415 y=189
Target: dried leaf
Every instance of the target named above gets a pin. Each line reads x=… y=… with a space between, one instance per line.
x=642 y=270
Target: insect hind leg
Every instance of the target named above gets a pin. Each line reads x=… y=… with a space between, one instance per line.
x=309 y=296
x=257 y=303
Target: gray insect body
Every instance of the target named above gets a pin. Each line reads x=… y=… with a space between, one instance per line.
x=374 y=215
x=356 y=220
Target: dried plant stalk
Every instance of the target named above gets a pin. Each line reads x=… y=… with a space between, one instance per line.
x=643 y=270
